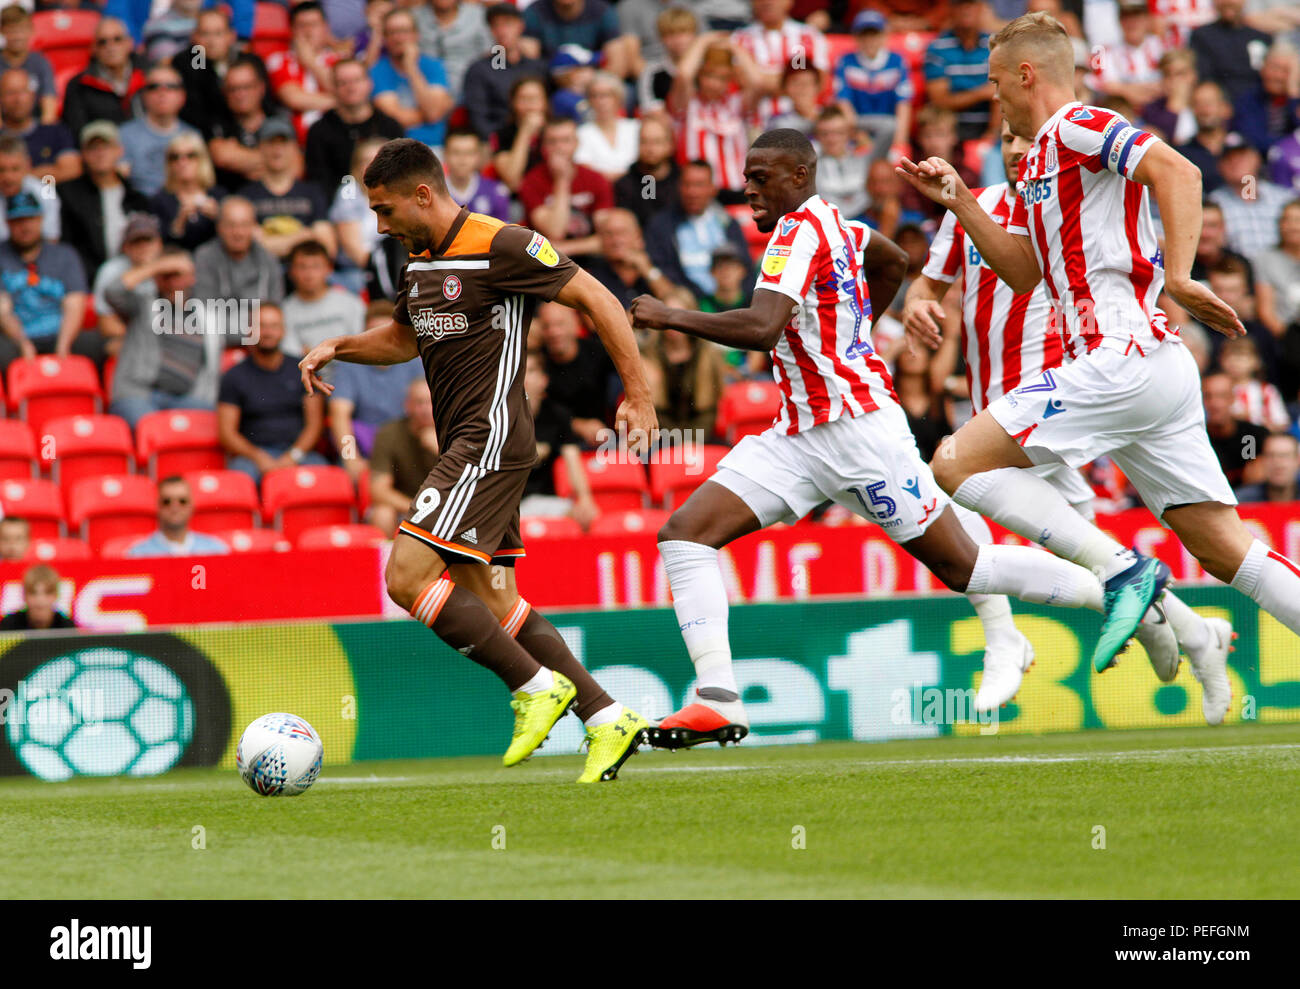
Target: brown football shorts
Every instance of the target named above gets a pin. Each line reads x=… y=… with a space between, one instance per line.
x=467 y=512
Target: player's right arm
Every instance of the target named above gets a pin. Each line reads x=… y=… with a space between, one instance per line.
x=392 y=343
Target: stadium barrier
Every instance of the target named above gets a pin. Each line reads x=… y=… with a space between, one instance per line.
x=140 y=703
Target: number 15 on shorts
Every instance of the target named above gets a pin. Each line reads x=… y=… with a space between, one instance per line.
x=875 y=504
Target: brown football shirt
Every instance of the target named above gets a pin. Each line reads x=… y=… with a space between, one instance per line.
x=471 y=302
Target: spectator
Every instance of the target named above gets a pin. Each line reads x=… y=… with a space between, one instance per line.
x=203 y=79
x=639 y=23
x=405 y=451
x=94 y=207
x=886 y=212
x=40 y=597
x=411 y=87
x=168 y=32
x=454 y=33
x=1213 y=246
x=234 y=265
x=1228 y=50
x=173 y=537
x=572 y=69
x=146 y=138
x=590 y=24
x=172 y=367
x=686 y=379
x=53 y=151
x=937 y=135
x=15 y=177
x=608 y=143
x=15 y=538
x=1170 y=113
x=677 y=28
x=555 y=441
x=1270 y=111
x=1212 y=111
x=463 y=161
x=841 y=169
x=16 y=27
x=1131 y=68
x=366 y=260
x=1284 y=162
x=561 y=198
x=578 y=370
x=625 y=268
x=233 y=141
x=141 y=243
x=366 y=396
x=105 y=88
x=801 y=100
x=264 y=418
x=682 y=239
x=956 y=73
x=314 y=310
x=1235 y=443
x=1251 y=204
x=188 y=203
x=925 y=415
x=771 y=42
x=875 y=86
x=731 y=288
x=1280 y=472
x=369 y=44
x=289 y=210
x=1278 y=289
x=519 y=142
x=1228 y=280
x=47 y=284
x=1254 y=400
x=490 y=80
x=333 y=138
x=300 y=76
x=650 y=185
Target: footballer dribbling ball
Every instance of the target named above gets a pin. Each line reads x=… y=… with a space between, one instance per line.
x=279 y=755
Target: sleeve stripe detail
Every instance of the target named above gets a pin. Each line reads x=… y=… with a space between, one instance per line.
x=1128 y=147
x=1109 y=143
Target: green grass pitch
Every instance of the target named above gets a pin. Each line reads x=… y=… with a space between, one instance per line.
x=1185 y=813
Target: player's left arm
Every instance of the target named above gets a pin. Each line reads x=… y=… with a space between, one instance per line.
x=1176 y=185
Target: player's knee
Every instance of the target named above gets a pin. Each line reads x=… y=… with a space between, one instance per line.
x=954 y=574
x=677 y=528
x=949 y=472
x=401 y=581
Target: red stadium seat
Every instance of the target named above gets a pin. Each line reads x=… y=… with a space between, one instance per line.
x=223 y=499
x=298 y=498
x=77 y=447
x=115 y=548
x=363 y=493
x=649 y=520
x=65 y=37
x=672 y=483
x=45 y=550
x=270 y=29
x=756 y=239
x=544 y=527
x=616 y=487
x=175 y=442
x=17 y=450
x=39 y=502
x=339 y=536
x=44 y=388
x=110 y=369
x=230 y=357
x=253 y=540
x=101 y=508
x=747 y=407
x=63 y=75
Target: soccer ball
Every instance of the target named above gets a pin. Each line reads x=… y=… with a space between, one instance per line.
x=279 y=755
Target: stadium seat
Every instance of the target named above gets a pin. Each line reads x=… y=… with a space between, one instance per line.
x=77 y=447
x=223 y=499
x=747 y=407
x=648 y=520
x=39 y=502
x=44 y=388
x=115 y=548
x=65 y=37
x=339 y=536
x=106 y=377
x=252 y=540
x=756 y=239
x=545 y=527
x=47 y=549
x=270 y=29
x=102 y=508
x=17 y=450
x=672 y=483
x=298 y=498
x=616 y=487
x=176 y=442
x=363 y=493
x=230 y=357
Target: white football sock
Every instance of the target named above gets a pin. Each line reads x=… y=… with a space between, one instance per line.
x=1273 y=582
x=1031 y=575
x=700 y=600
x=541 y=680
x=1189 y=628
x=994 y=610
x=605 y=715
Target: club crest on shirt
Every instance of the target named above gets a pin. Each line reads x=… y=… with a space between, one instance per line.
x=774 y=260
x=540 y=248
x=451 y=288
x=1049 y=159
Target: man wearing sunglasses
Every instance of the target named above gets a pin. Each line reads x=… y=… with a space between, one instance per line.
x=173 y=536
x=104 y=90
x=145 y=138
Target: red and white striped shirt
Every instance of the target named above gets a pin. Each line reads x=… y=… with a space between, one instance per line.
x=1260 y=403
x=1124 y=64
x=774 y=51
x=1007 y=338
x=1090 y=225
x=823 y=363
x=1181 y=17
x=715 y=131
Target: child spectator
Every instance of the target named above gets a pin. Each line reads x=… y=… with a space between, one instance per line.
x=936 y=136
x=463 y=161
x=572 y=69
x=677 y=29
x=316 y=311
x=40 y=597
x=841 y=169
x=1253 y=400
x=873 y=84
x=801 y=99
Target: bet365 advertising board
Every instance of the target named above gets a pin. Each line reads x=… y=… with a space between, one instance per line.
x=141 y=703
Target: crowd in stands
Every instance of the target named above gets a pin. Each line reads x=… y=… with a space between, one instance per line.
x=198 y=155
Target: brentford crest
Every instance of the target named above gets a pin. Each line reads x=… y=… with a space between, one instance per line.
x=451 y=288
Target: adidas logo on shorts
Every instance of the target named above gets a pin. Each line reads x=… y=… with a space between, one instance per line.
x=470 y=536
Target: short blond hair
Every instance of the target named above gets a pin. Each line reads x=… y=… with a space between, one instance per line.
x=41 y=575
x=1038 y=38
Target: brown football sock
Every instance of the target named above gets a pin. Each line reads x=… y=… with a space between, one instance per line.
x=548 y=647
x=465 y=623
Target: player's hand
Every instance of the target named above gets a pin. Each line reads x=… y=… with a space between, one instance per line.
x=921 y=320
x=648 y=313
x=638 y=422
x=317 y=358
x=1206 y=308
x=933 y=178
